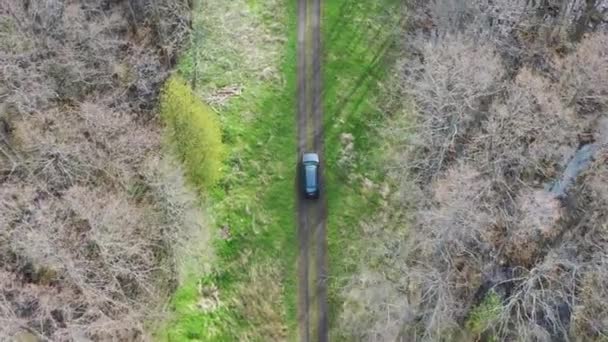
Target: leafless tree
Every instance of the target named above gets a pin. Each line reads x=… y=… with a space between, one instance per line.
x=496 y=99
x=95 y=223
x=454 y=81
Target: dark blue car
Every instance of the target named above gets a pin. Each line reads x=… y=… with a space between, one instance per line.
x=310 y=175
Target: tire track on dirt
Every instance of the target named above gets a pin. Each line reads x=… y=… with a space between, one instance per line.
x=312 y=214
x=321 y=204
x=303 y=295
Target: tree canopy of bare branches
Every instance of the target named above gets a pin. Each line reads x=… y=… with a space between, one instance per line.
x=94 y=221
x=500 y=98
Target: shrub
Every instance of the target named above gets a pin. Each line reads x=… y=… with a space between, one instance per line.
x=194 y=130
x=584 y=74
x=484 y=314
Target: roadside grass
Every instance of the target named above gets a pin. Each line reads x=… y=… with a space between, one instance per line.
x=358 y=39
x=250 y=292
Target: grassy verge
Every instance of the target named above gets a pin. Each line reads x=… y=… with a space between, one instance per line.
x=358 y=38
x=250 y=293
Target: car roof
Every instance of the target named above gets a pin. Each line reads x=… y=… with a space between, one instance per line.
x=311 y=176
x=310 y=157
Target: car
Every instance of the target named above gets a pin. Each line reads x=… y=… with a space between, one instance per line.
x=310 y=175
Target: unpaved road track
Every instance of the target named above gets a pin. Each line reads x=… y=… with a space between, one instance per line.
x=312 y=214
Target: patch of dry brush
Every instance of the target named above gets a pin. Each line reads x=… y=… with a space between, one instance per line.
x=93 y=220
x=504 y=94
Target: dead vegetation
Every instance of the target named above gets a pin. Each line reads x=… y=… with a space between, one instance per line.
x=94 y=222
x=505 y=94
x=238 y=42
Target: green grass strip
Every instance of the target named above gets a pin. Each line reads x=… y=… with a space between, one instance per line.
x=358 y=36
x=254 y=200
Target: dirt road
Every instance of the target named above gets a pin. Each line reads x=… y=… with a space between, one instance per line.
x=312 y=214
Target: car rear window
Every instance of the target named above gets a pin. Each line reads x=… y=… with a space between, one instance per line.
x=311 y=176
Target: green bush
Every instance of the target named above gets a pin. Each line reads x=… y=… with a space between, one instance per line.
x=194 y=131
x=482 y=316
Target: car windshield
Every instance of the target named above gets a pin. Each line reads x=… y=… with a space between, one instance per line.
x=311 y=176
